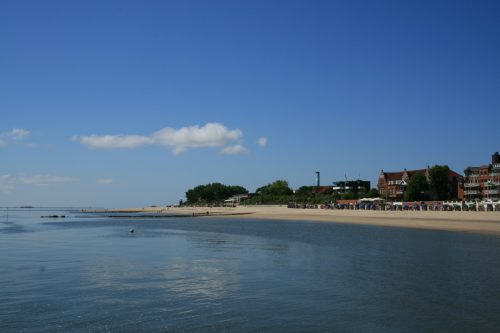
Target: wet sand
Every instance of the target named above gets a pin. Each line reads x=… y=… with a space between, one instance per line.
x=478 y=222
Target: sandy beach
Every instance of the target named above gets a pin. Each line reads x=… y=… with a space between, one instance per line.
x=478 y=222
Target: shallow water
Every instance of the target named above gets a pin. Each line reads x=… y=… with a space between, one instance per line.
x=89 y=274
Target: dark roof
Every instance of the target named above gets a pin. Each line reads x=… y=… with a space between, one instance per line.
x=398 y=175
x=393 y=175
x=321 y=189
x=454 y=174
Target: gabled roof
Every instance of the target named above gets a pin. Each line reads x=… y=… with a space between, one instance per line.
x=399 y=174
x=454 y=174
x=393 y=175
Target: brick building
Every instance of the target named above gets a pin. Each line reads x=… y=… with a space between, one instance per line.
x=483 y=182
x=392 y=185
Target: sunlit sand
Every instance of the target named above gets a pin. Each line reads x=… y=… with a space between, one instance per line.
x=479 y=222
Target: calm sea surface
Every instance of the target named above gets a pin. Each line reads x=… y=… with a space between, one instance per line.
x=89 y=274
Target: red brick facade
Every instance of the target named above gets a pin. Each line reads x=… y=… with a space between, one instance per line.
x=392 y=185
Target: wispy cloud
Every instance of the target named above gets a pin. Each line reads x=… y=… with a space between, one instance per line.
x=178 y=140
x=41 y=180
x=113 y=141
x=31 y=145
x=262 y=141
x=104 y=181
x=234 y=150
x=15 y=135
x=8 y=182
x=18 y=133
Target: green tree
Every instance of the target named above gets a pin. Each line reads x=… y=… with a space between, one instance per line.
x=212 y=193
x=277 y=192
x=440 y=185
x=304 y=194
x=372 y=193
x=277 y=188
x=304 y=191
x=349 y=196
x=417 y=188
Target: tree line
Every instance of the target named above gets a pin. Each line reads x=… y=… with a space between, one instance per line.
x=437 y=186
x=277 y=192
x=213 y=193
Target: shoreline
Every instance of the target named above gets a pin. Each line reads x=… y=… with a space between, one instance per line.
x=459 y=221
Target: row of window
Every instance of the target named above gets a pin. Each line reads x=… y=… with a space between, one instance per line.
x=396 y=182
x=480 y=181
x=491 y=174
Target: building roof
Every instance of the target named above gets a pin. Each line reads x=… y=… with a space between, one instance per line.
x=321 y=189
x=454 y=174
x=398 y=175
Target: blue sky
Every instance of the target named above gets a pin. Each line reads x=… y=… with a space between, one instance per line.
x=130 y=103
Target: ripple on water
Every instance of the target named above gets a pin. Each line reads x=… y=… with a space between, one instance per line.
x=185 y=275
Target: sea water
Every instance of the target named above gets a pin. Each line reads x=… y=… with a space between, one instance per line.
x=88 y=273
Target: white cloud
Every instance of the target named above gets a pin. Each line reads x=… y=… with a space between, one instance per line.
x=262 y=141
x=209 y=135
x=105 y=181
x=40 y=180
x=113 y=141
x=234 y=150
x=13 y=136
x=178 y=140
x=18 y=133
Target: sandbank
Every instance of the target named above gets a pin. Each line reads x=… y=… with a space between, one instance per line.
x=461 y=221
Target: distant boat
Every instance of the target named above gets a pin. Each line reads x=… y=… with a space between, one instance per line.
x=26 y=207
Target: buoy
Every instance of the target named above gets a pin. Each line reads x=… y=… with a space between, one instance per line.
x=131 y=231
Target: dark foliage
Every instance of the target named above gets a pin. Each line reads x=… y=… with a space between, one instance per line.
x=212 y=193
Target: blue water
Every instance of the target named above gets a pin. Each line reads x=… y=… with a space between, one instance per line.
x=89 y=274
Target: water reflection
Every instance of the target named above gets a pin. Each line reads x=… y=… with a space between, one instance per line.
x=244 y=276
x=174 y=269
x=201 y=279
x=12 y=228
